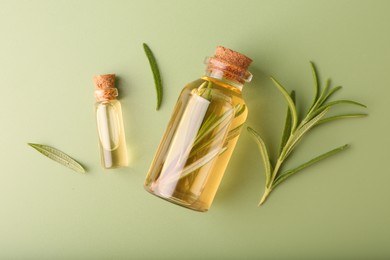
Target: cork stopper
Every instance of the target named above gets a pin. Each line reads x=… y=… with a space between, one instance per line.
x=232 y=64
x=232 y=57
x=105 y=87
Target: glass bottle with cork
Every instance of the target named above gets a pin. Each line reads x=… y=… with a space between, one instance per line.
x=202 y=133
x=112 y=142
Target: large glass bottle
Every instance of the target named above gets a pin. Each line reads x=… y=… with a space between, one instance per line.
x=202 y=133
x=112 y=143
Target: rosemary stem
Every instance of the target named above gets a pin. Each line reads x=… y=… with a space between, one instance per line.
x=275 y=171
x=264 y=197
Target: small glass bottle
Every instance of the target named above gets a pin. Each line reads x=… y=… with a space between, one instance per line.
x=112 y=142
x=202 y=133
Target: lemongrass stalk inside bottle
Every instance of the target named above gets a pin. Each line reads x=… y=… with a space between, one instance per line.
x=184 y=137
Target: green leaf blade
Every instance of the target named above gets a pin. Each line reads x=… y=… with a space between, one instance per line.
x=344 y=116
x=290 y=102
x=239 y=110
x=287 y=126
x=301 y=132
x=324 y=93
x=58 y=156
x=264 y=154
x=330 y=93
x=321 y=157
x=156 y=74
x=233 y=133
x=193 y=167
x=344 y=101
x=316 y=84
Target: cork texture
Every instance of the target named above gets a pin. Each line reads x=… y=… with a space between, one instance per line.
x=232 y=57
x=104 y=81
x=232 y=64
x=105 y=87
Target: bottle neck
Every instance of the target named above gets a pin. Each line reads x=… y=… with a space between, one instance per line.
x=224 y=81
x=107 y=94
x=227 y=73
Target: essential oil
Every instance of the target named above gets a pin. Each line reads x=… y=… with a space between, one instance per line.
x=200 y=138
x=112 y=142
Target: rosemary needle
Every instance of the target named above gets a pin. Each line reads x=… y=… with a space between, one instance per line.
x=156 y=74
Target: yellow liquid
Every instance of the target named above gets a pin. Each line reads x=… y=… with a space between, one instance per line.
x=188 y=169
x=112 y=143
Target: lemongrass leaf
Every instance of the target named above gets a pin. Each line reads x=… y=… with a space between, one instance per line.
x=204 y=160
x=321 y=157
x=209 y=120
x=197 y=147
x=240 y=109
x=201 y=89
x=290 y=102
x=234 y=133
x=264 y=154
x=197 y=164
x=156 y=74
x=208 y=89
x=332 y=118
x=287 y=125
x=218 y=121
x=58 y=156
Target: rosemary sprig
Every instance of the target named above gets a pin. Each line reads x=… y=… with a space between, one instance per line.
x=156 y=74
x=58 y=156
x=294 y=130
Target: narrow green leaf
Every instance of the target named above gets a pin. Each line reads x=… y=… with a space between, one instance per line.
x=330 y=93
x=301 y=132
x=323 y=94
x=196 y=165
x=287 y=174
x=208 y=94
x=337 y=102
x=198 y=147
x=290 y=102
x=209 y=120
x=156 y=74
x=214 y=124
x=264 y=154
x=212 y=118
x=58 y=156
x=239 y=110
x=329 y=119
x=314 y=108
x=233 y=133
x=316 y=84
x=287 y=125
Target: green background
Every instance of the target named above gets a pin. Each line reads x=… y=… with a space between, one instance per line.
x=49 y=51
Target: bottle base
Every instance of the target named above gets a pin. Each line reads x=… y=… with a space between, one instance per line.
x=113 y=167
x=196 y=206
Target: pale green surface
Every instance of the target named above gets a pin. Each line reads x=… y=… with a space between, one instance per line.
x=50 y=50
